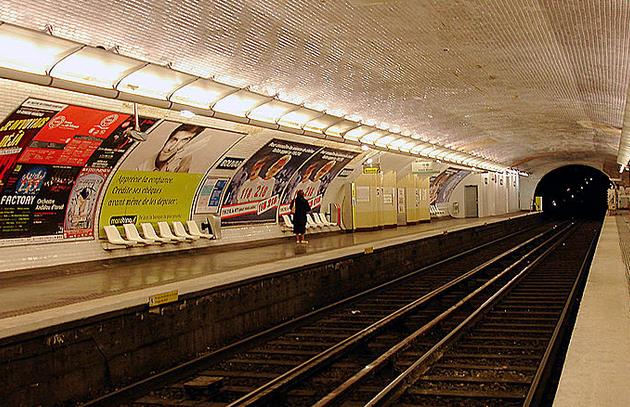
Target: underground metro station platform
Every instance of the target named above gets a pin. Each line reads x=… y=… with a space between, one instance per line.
x=349 y=203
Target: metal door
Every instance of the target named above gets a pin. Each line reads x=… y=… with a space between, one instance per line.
x=471 y=201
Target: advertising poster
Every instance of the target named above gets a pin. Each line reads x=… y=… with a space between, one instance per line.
x=159 y=178
x=111 y=150
x=81 y=208
x=401 y=200
x=72 y=136
x=314 y=177
x=254 y=193
x=19 y=128
x=151 y=197
x=180 y=147
x=209 y=199
x=34 y=200
x=54 y=163
x=79 y=220
x=442 y=185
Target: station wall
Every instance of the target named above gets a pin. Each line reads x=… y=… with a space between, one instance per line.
x=217 y=167
x=498 y=194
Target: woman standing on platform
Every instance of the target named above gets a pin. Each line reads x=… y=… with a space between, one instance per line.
x=299 y=209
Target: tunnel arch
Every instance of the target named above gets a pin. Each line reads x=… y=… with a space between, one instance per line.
x=573 y=191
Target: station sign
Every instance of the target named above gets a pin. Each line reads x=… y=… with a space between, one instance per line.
x=371 y=170
x=423 y=167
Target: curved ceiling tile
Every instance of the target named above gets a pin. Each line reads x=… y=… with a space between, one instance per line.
x=526 y=75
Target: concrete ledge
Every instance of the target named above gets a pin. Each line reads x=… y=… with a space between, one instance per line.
x=595 y=371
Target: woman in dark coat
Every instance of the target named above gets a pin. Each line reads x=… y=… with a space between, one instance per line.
x=299 y=209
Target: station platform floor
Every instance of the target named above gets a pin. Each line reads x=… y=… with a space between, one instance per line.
x=37 y=298
x=596 y=370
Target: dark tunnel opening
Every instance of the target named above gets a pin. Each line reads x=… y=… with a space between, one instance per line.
x=574 y=192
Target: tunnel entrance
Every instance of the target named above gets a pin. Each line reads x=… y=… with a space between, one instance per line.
x=574 y=191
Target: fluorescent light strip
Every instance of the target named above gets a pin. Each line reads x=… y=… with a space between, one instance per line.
x=337 y=130
x=371 y=137
x=356 y=134
x=320 y=124
x=96 y=67
x=31 y=51
x=202 y=93
x=154 y=81
x=408 y=146
x=396 y=144
x=298 y=118
x=271 y=112
x=239 y=103
x=385 y=141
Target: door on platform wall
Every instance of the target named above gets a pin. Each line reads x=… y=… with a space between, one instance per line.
x=471 y=201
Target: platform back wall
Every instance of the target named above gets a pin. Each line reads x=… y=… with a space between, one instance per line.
x=244 y=141
x=495 y=198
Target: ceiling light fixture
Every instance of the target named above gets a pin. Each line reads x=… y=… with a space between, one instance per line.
x=37 y=57
x=96 y=67
x=154 y=81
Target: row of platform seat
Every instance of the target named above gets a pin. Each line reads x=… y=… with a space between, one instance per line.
x=178 y=234
x=436 y=212
x=313 y=221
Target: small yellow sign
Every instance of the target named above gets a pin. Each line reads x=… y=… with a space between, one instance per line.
x=371 y=170
x=163 y=298
x=368 y=250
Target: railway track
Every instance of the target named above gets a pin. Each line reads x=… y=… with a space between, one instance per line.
x=502 y=353
x=322 y=359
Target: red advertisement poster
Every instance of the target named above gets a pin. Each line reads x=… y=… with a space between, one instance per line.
x=72 y=136
x=54 y=161
x=18 y=130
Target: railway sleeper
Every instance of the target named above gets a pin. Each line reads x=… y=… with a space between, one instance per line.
x=486 y=389
x=450 y=399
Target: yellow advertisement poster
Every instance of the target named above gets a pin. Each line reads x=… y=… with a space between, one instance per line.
x=148 y=197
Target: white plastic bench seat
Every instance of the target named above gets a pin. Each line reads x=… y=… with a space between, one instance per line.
x=194 y=230
x=310 y=222
x=114 y=237
x=432 y=210
x=287 y=221
x=323 y=219
x=131 y=232
x=316 y=220
x=180 y=231
x=149 y=233
x=440 y=212
x=167 y=233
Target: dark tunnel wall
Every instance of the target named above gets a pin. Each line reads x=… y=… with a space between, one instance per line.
x=574 y=191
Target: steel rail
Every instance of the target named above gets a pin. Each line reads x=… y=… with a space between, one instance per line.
x=335 y=396
x=402 y=382
x=277 y=386
x=182 y=370
x=536 y=390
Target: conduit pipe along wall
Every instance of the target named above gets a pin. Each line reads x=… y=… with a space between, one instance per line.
x=39 y=58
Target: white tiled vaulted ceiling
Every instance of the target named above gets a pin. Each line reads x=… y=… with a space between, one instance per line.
x=519 y=81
